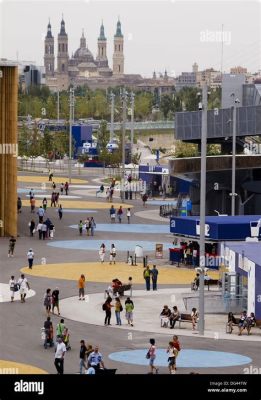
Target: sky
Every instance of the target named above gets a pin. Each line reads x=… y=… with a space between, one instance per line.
x=158 y=34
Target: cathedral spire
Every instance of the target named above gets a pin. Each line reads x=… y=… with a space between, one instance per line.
x=102 y=35
x=83 y=41
x=62 y=30
x=49 y=30
x=118 y=30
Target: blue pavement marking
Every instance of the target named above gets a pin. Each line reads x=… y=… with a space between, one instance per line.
x=75 y=210
x=90 y=244
x=21 y=190
x=187 y=358
x=130 y=228
x=162 y=202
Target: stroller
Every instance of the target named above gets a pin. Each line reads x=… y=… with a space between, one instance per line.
x=47 y=337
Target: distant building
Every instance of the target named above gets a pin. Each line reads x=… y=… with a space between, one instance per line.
x=238 y=70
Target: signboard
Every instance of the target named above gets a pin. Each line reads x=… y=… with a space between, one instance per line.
x=159 y=250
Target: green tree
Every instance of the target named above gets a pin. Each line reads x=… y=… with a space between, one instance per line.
x=166 y=104
x=47 y=144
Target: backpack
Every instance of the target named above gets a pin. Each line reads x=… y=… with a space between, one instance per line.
x=121 y=308
x=104 y=308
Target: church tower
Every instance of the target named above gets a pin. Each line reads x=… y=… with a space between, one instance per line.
x=102 y=49
x=118 y=56
x=62 y=58
x=49 y=52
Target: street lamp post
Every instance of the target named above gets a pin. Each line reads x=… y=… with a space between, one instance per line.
x=112 y=117
x=70 y=133
x=132 y=122
x=124 y=117
x=233 y=185
x=201 y=323
x=58 y=105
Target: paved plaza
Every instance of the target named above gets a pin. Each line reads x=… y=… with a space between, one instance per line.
x=60 y=262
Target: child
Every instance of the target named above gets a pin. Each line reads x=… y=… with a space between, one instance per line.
x=173 y=352
x=128 y=215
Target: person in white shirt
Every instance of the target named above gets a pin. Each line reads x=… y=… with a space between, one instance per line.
x=59 y=356
x=102 y=252
x=128 y=215
x=30 y=257
x=24 y=285
x=12 y=283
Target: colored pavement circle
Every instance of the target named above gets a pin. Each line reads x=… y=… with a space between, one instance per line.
x=130 y=228
x=44 y=179
x=5 y=294
x=187 y=358
x=121 y=245
x=97 y=272
x=11 y=367
x=75 y=204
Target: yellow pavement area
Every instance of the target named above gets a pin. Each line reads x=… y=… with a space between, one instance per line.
x=79 y=204
x=98 y=272
x=45 y=179
x=15 y=367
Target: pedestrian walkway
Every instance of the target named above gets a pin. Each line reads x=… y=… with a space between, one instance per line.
x=148 y=306
x=98 y=272
x=45 y=179
x=11 y=367
x=80 y=204
x=151 y=214
x=5 y=294
x=129 y=228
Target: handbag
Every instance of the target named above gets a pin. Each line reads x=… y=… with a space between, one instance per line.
x=148 y=355
x=16 y=287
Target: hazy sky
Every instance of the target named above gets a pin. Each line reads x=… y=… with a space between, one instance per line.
x=158 y=34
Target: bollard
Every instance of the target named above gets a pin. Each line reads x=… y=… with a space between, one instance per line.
x=144 y=262
x=135 y=260
x=128 y=255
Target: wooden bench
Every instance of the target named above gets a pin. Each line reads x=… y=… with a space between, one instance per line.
x=184 y=318
x=212 y=282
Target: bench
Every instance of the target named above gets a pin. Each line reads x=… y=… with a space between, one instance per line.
x=184 y=318
x=120 y=291
x=257 y=325
x=208 y=283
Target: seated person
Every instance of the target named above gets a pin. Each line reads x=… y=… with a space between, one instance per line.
x=165 y=315
x=230 y=321
x=206 y=277
x=195 y=284
x=251 y=321
x=116 y=285
x=242 y=322
x=175 y=315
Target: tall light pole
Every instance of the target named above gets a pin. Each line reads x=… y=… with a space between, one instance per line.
x=204 y=126
x=132 y=121
x=234 y=137
x=112 y=116
x=124 y=117
x=70 y=133
x=58 y=105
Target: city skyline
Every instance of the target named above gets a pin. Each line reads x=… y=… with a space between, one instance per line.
x=167 y=32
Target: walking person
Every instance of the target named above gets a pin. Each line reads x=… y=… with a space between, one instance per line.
x=144 y=199
x=80 y=227
x=30 y=258
x=81 y=286
x=39 y=230
x=32 y=227
x=32 y=203
x=107 y=308
x=151 y=355
x=66 y=187
x=40 y=213
x=12 y=242
x=102 y=252
x=112 y=214
x=53 y=200
x=83 y=351
x=12 y=287
x=55 y=300
x=61 y=188
x=48 y=302
x=59 y=356
x=129 y=307
x=44 y=230
x=128 y=214
x=92 y=226
x=19 y=205
x=44 y=202
x=101 y=190
x=87 y=225
x=119 y=214
x=60 y=212
x=113 y=254
x=95 y=359
x=146 y=276
x=172 y=352
x=118 y=310
x=154 y=275
x=23 y=285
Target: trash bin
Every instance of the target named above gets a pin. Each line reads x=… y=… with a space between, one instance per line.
x=126 y=195
x=175 y=255
x=138 y=251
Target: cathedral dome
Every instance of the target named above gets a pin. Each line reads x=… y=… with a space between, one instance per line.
x=84 y=55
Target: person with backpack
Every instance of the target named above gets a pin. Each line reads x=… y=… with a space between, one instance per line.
x=107 y=308
x=48 y=302
x=118 y=310
x=13 y=287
